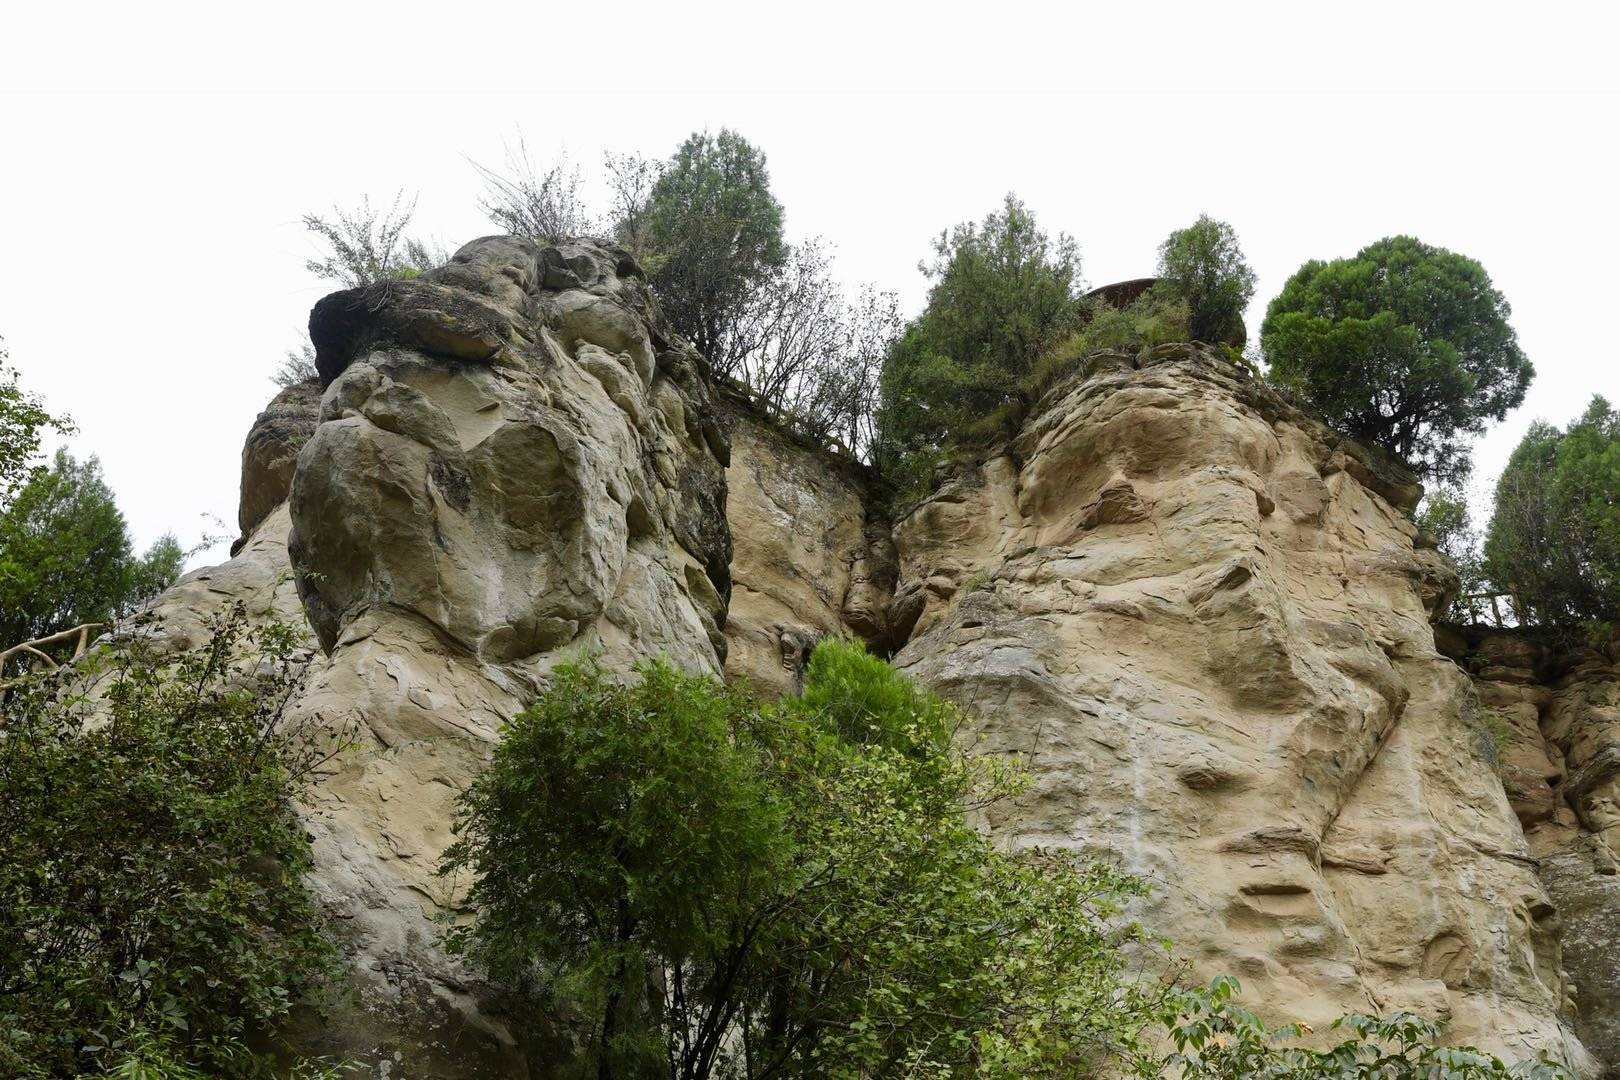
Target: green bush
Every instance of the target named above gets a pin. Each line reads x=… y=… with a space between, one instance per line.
x=676 y=881
x=151 y=895
x=1215 y=1039
x=1203 y=265
x=1405 y=345
x=708 y=888
x=1554 y=537
x=1004 y=292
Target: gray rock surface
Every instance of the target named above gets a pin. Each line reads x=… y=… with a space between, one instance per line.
x=271 y=452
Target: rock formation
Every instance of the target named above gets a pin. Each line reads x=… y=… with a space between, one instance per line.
x=512 y=462
x=1198 y=614
x=1554 y=715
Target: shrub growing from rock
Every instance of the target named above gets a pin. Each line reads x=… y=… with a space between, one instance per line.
x=1004 y=292
x=1204 y=266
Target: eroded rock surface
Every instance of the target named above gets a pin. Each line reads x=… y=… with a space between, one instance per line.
x=1201 y=618
x=512 y=462
x=1554 y=714
x=812 y=555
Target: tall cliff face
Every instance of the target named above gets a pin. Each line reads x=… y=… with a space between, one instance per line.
x=1199 y=616
x=513 y=462
x=1555 y=717
x=1204 y=622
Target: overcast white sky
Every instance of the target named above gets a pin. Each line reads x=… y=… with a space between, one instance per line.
x=155 y=160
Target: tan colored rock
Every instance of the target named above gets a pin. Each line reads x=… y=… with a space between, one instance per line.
x=1200 y=619
x=1197 y=614
x=271 y=452
x=806 y=561
x=1563 y=704
x=515 y=463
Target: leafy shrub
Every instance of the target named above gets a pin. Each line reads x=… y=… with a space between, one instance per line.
x=367 y=244
x=151 y=888
x=1444 y=518
x=1405 y=345
x=1216 y=1039
x=1554 y=537
x=1203 y=265
x=1004 y=292
x=711 y=888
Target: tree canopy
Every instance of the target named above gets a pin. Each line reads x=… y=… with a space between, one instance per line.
x=23 y=418
x=1204 y=265
x=717 y=889
x=1405 y=344
x=1004 y=291
x=65 y=554
x=715 y=232
x=1554 y=537
x=152 y=894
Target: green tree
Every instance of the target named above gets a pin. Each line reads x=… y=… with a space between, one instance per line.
x=65 y=556
x=152 y=905
x=714 y=233
x=1445 y=519
x=715 y=889
x=1405 y=345
x=1003 y=293
x=615 y=843
x=23 y=418
x=1204 y=265
x=1554 y=536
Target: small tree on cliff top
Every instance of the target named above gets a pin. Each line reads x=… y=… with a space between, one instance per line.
x=1405 y=345
x=714 y=231
x=1004 y=291
x=1554 y=538
x=1204 y=264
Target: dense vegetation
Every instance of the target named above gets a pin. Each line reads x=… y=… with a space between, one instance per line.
x=691 y=885
x=1405 y=345
x=695 y=876
x=152 y=908
x=1004 y=292
x=1554 y=538
x=65 y=553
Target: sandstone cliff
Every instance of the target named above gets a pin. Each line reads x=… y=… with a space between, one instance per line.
x=1200 y=616
x=1554 y=715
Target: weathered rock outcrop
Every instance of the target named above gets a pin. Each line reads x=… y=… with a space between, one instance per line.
x=811 y=554
x=512 y=462
x=1200 y=616
x=1554 y=714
